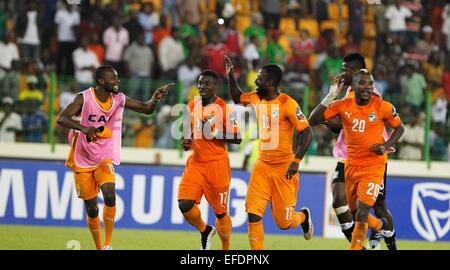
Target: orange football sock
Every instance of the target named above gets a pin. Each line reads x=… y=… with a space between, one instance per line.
x=94 y=227
x=109 y=214
x=256 y=235
x=359 y=235
x=297 y=219
x=194 y=218
x=223 y=226
x=374 y=223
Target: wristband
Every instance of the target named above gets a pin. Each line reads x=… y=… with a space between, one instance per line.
x=296 y=160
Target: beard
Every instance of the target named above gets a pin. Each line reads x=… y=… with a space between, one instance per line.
x=261 y=91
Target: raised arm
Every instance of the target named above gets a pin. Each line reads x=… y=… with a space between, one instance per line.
x=233 y=87
x=149 y=106
x=316 y=117
x=74 y=109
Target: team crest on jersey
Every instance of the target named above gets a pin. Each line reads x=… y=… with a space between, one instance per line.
x=372 y=117
x=299 y=114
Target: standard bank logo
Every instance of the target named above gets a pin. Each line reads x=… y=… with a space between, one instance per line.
x=430 y=210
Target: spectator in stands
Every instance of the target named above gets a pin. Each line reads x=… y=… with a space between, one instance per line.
x=380 y=76
x=85 y=62
x=97 y=48
x=413 y=22
x=115 y=38
x=29 y=27
x=195 y=10
x=251 y=53
x=148 y=19
x=8 y=54
x=425 y=45
x=356 y=20
x=350 y=46
x=67 y=20
x=10 y=121
x=34 y=123
x=164 y=120
x=232 y=38
x=143 y=131
x=169 y=6
x=214 y=53
x=256 y=29
x=381 y=25
x=329 y=68
x=91 y=22
x=445 y=80
x=66 y=97
x=159 y=33
x=170 y=55
x=271 y=10
x=139 y=61
x=32 y=91
x=412 y=141
x=446 y=24
x=296 y=79
x=397 y=14
x=133 y=25
x=413 y=88
x=433 y=70
x=275 y=53
x=439 y=110
x=187 y=75
x=303 y=49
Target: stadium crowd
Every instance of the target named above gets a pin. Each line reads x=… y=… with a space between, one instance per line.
x=150 y=42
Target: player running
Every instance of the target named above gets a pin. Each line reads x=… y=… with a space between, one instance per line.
x=95 y=142
x=274 y=177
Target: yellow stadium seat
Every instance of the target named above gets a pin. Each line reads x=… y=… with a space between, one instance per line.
x=311 y=25
x=369 y=64
x=329 y=24
x=333 y=11
x=287 y=25
x=242 y=22
x=344 y=12
x=284 y=41
x=368 y=47
x=211 y=5
x=370 y=30
x=370 y=13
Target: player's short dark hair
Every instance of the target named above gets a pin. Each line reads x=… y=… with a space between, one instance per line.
x=274 y=73
x=210 y=73
x=356 y=57
x=100 y=72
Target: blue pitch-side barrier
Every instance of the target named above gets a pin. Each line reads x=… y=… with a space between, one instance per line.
x=42 y=193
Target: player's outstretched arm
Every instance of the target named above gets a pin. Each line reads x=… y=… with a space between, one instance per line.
x=316 y=117
x=74 y=109
x=303 y=145
x=149 y=106
x=233 y=87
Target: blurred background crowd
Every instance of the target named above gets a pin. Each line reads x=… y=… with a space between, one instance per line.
x=52 y=46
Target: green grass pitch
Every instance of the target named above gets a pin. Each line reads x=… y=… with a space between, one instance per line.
x=54 y=238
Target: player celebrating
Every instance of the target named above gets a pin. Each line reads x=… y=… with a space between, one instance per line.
x=353 y=63
x=96 y=142
x=208 y=168
x=363 y=118
x=274 y=177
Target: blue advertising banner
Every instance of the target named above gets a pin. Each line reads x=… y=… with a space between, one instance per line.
x=43 y=193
